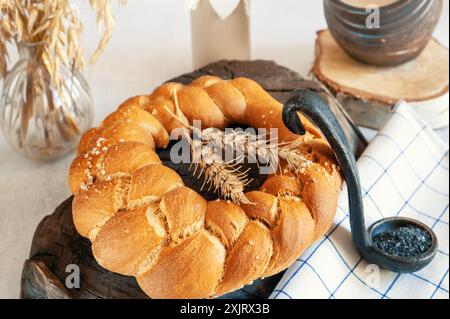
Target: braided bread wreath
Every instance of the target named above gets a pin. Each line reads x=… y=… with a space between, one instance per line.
x=143 y=222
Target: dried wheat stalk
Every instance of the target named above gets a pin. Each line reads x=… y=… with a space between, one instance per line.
x=222 y=177
x=259 y=149
x=226 y=178
x=296 y=161
x=3 y=54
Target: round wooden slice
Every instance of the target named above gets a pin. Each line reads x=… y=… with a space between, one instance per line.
x=369 y=92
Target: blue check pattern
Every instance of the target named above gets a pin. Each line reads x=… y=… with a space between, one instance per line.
x=404 y=172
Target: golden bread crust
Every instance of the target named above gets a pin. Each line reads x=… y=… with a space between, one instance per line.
x=143 y=222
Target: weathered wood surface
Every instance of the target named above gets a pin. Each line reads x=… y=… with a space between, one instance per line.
x=56 y=244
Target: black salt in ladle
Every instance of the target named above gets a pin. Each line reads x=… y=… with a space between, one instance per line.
x=399 y=244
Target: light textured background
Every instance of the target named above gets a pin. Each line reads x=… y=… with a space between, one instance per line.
x=151 y=44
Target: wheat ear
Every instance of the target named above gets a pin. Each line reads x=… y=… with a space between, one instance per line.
x=224 y=178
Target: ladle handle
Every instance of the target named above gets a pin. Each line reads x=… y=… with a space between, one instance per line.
x=315 y=108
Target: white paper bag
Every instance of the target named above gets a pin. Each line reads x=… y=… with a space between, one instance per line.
x=220 y=30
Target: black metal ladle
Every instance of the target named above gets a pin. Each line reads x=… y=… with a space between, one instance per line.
x=315 y=108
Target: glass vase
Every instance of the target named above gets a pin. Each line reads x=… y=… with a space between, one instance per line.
x=38 y=120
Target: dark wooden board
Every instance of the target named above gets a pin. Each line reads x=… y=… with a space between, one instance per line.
x=56 y=244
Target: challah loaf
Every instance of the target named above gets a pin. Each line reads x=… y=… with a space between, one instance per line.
x=143 y=222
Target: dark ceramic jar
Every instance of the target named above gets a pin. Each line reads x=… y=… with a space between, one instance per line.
x=405 y=28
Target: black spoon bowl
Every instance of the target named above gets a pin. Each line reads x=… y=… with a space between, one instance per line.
x=315 y=108
x=397 y=263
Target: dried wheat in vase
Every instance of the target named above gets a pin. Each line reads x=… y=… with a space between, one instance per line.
x=46 y=103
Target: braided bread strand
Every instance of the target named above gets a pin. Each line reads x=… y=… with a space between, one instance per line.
x=143 y=222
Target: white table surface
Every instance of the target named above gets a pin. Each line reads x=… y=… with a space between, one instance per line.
x=150 y=45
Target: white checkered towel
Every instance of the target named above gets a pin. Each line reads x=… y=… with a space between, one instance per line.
x=404 y=172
